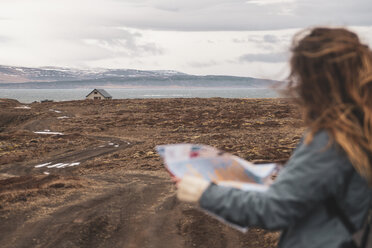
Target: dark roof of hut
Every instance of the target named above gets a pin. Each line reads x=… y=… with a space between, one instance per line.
x=102 y=92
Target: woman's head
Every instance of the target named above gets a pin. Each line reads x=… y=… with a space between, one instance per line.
x=331 y=79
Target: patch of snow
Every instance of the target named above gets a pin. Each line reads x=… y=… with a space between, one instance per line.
x=46 y=173
x=23 y=107
x=111 y=144
x=61 y=166
x=54 y=165
x=63 y=117
x=116 y=146
x=102 y=146
x=57 y=111
x=58 y=165
x=48 y=132
x=167 y=72
x=42 y=165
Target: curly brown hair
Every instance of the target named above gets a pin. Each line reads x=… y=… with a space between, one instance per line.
x=331 y=80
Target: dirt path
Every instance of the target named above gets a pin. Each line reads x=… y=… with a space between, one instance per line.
x=110 y=217
x=68 y=160
x=135 y=210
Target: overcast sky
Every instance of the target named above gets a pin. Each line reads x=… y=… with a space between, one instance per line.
x=230 y=37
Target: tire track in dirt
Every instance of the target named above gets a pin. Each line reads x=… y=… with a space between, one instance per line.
x=77 y=157
x=113 y=144
x=80 y=156
x=130 y=213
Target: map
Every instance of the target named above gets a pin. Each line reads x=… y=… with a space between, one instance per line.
x=216 y=166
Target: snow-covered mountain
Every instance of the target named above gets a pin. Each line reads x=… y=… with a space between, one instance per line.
x=60 y=77
x=13 y=74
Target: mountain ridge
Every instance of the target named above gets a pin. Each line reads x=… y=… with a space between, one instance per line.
x=62 y=77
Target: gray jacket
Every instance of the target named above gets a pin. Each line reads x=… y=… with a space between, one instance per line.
x=296 y=202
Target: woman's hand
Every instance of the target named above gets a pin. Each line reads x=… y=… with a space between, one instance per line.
x=191 y=188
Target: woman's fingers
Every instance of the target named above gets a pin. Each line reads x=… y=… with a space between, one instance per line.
x=191 y=188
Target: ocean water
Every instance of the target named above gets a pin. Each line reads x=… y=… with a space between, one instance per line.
x=31 y=95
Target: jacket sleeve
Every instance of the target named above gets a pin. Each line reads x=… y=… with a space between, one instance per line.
x=313 y=173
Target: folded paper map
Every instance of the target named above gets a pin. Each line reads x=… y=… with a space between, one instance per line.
x=216 y=166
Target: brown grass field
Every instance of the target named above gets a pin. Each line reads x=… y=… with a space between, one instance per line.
x=120 y=194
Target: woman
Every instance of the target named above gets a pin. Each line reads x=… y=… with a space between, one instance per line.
x=322 y=195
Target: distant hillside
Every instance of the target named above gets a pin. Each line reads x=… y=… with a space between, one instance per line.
x=66 y=78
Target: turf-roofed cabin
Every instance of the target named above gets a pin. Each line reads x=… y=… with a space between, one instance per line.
x=98 y=94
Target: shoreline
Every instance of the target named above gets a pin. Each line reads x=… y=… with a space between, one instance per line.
x=28 y=96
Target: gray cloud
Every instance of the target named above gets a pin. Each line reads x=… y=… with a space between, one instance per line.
x=4 y=39
x=223 y=15
x=270 y=38
x=267 y=38
x=264 y=57
x=235 y=40
x=99 y=44
x=204 y=64
x=115 y=42
x=130 y=41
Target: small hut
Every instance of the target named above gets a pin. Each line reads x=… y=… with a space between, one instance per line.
x=98 y=94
